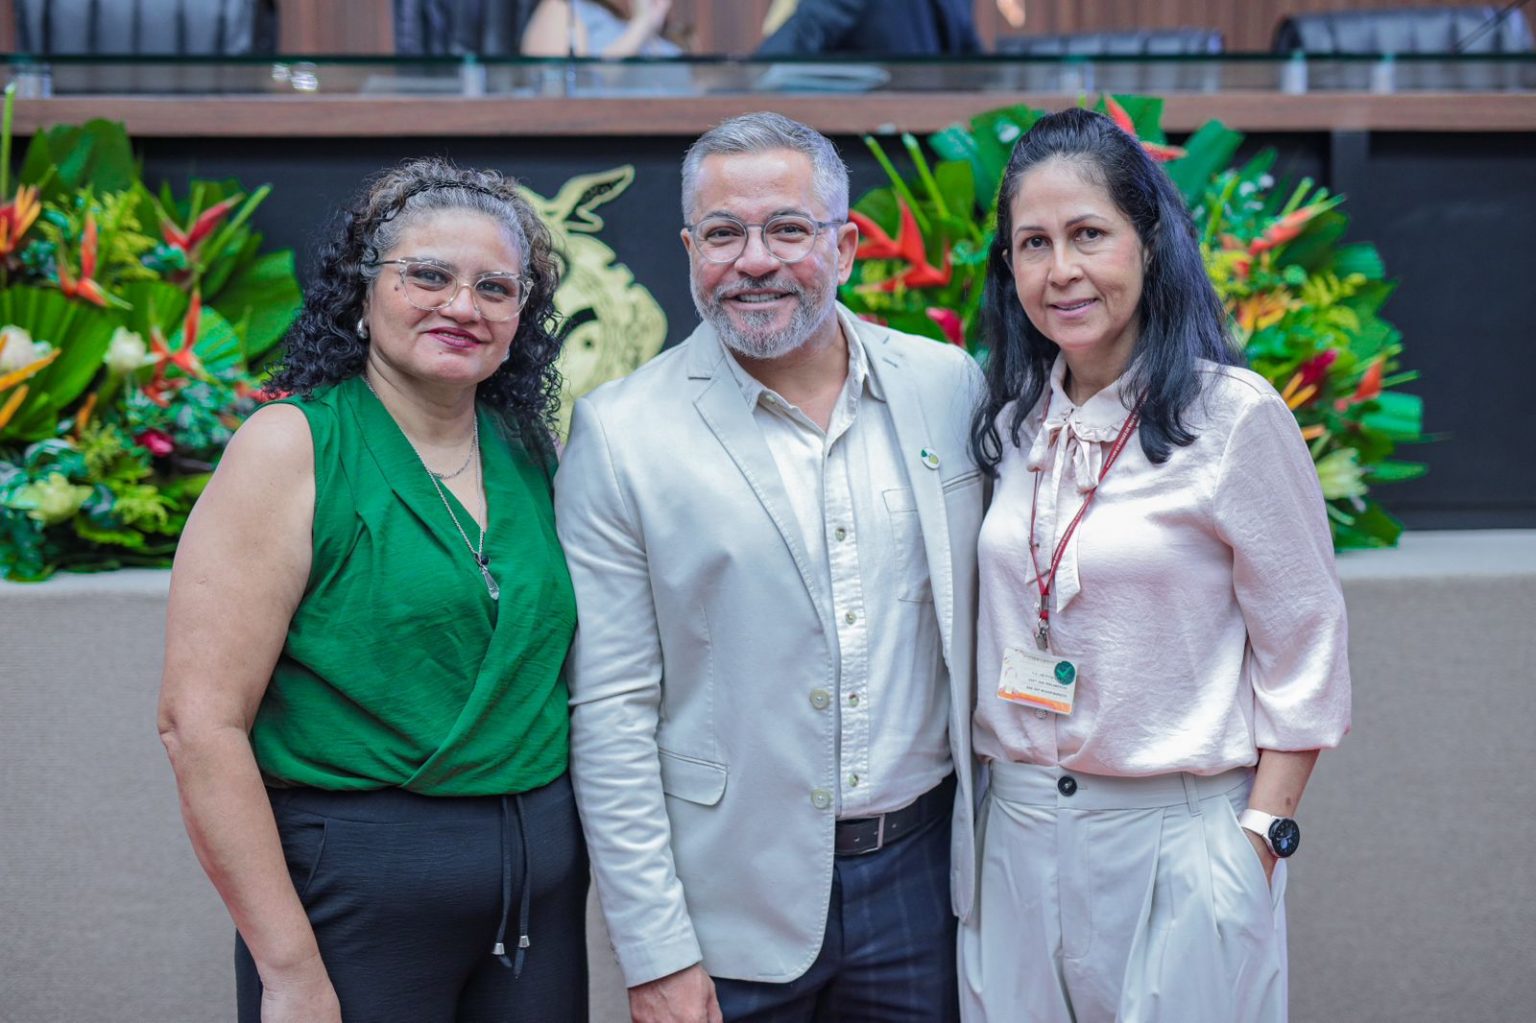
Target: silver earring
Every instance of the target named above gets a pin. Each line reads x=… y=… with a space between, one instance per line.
x=362 y=328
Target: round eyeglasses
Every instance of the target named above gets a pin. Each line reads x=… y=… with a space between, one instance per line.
x=788 y=238
x=498 y=296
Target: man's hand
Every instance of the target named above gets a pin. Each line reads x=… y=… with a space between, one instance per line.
x=687 y=996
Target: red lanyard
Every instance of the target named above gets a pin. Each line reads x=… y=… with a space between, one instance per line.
x=1045 y=582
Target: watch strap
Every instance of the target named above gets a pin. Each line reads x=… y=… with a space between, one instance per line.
x=1258 y=822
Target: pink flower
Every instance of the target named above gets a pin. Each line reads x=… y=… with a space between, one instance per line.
x=157 y=442
x=949 y=322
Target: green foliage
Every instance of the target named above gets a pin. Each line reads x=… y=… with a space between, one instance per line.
x=81 y=332
x=156 y=308
x=1305 y=303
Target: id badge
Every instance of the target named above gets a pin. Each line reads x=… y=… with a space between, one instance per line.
x=1038 y=678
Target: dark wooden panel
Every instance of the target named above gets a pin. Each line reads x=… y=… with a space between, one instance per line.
x=7 y=26
x=335 y=26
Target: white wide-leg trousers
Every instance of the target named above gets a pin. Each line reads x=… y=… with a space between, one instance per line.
x=1121 y=900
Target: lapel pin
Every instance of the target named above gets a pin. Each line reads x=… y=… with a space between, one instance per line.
x=930 y=457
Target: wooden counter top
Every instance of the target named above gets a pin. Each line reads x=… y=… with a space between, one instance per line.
x=838 y=114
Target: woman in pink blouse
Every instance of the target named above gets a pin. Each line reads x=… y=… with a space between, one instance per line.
x=1161 y=637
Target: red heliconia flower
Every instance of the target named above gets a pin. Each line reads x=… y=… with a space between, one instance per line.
x=201 y=228
x=874 y=243
x=1156 y=150
x=16 y=217
x=949 y=322
x=159 y=388
x=84 y=287
x=1286 y=228
x=1370 y=386
x=156 y=442
x=906 y=246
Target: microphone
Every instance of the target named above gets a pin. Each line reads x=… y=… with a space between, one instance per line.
x=1488 y=26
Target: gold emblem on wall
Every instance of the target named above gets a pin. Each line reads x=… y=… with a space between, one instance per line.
x=612 y=324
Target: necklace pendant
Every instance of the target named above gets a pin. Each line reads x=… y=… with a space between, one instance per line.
x=490 y=584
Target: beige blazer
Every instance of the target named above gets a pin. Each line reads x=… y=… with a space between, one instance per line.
x=703 y=629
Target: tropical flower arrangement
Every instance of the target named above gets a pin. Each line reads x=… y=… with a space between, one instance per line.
x=1305 y=305
x=130 y=321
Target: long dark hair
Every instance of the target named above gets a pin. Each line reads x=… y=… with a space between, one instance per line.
x=324 y=347
x=1181 y=319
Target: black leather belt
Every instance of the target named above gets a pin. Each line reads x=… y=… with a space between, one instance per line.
x=859 y=835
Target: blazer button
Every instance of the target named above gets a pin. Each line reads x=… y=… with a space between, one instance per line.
x=821 y=798
x=820 y=699
x=1066 y=785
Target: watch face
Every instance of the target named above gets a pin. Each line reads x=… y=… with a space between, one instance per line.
x=1284 y=836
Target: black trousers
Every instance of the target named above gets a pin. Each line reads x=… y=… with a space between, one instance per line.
x=419 y=904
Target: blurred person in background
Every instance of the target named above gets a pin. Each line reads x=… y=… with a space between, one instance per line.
x=869 y=28
x=599 y=28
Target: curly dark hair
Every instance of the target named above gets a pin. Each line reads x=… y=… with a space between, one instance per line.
x=323 y=347
x=1182 y=320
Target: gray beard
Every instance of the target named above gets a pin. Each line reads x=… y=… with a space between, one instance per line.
x=757 y=340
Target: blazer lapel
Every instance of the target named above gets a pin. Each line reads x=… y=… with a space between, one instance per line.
x=913 y=435
x=725 y=412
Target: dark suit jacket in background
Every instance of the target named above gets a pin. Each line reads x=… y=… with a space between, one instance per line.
x=892 y=27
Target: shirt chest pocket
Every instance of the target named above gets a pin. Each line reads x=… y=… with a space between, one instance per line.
x=909 y=563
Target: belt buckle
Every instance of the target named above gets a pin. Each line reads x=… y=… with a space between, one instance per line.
x=880 y=834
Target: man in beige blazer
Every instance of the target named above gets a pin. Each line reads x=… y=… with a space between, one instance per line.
x=772 y=533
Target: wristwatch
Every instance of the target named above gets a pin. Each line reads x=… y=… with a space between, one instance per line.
x=1281 y=834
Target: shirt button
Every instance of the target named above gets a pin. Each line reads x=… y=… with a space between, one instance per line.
x=1066 y=785
x=820 y=699
x=821 y=798
x=850 y=617
x=853 y=700
x=853 y=781
x=840 y=533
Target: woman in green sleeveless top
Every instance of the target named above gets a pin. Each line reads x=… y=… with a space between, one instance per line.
x=369 y=615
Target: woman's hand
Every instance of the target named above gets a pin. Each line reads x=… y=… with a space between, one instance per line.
x=301 y=995
x=1278 y=783
x=649 y=17
x=1266 y=858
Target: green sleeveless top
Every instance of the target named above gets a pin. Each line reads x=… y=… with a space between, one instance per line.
x=399 y=670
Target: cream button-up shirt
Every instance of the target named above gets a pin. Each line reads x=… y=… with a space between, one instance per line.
x=1199 y=596
x=855 y=511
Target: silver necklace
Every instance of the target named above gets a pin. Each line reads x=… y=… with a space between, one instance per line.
x=477 y=550
x=481 y=560
x=474 y=447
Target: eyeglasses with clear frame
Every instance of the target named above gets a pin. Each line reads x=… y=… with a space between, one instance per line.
x=498 y=295
x=789 y=238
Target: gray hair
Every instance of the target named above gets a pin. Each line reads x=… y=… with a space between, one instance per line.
x=762 y=132
x=430 y=185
